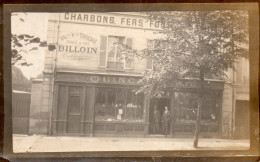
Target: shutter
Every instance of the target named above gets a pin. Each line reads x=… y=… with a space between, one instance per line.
x=129 y=43
x=103 y=48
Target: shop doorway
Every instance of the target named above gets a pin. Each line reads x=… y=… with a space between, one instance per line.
x=155 y=117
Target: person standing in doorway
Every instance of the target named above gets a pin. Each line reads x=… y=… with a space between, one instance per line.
x=166 y=118
x=156 y=117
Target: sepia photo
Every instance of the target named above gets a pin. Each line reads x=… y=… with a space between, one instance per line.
x=130 y=81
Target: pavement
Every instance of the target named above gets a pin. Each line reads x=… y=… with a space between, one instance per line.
x=41 y=143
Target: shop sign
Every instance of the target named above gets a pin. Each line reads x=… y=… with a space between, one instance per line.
x=77 y=46
x=106 y=79
x=112 y=19
x=128 y=80
x=195 y=84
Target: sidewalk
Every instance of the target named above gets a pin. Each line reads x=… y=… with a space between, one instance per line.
x=40 y=143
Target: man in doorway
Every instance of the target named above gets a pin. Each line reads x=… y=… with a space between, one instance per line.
x=156 y=117
x=166 y=118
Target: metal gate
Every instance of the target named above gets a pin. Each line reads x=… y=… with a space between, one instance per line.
x=21 y=112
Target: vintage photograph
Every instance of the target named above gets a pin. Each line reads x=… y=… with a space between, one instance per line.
x=130 y=81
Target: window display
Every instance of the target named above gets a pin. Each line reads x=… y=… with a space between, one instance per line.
x=118 y=104
x=186 y=105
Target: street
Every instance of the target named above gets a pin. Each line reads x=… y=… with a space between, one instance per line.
x=41 y=143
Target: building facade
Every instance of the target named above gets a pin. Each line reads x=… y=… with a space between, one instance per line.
x=87 y=86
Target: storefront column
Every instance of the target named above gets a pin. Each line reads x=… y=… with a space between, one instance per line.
x=82 y=116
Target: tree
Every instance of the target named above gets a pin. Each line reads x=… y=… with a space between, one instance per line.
x=196 y=45
x=19 y=81
x=22 y=44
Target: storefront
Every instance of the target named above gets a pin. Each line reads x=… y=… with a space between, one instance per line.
x=88 y=86
x=183 y=104
x=106 y=105
x=98 y=105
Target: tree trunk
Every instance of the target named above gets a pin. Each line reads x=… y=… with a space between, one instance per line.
x=197 y=126
x=200 y=102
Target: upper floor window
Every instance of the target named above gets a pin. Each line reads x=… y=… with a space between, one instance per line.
x=115 y=57
x=111 y=52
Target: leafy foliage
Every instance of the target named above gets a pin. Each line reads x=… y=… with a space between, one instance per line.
x=194 y=45
x=19 y=81
x=22 y=44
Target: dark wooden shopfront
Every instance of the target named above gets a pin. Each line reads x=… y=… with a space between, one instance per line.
x=86 y=106
x=182 y=104
x=73 y=113
x=185 y=110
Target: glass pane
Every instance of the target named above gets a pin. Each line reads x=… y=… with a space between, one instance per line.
x=130 y=106
x=119 y=50
x=111 y=48
x=100 y=105
x=115 y=59
x=186 y=107
x=111 y=104
x=210 y=110
x=140 y=108
x=120 y=104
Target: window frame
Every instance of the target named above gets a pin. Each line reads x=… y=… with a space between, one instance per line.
x=115 y=54
x=126 y=89
x=114 y=59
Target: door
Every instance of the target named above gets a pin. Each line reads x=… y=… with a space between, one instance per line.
x=74 y=109
x=155 y=116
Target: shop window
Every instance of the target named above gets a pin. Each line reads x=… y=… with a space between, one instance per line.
x=139 y=108
x=118 y=104
x=187 y=104
x=100 y=105
x=111 y=103
x=210 y=111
